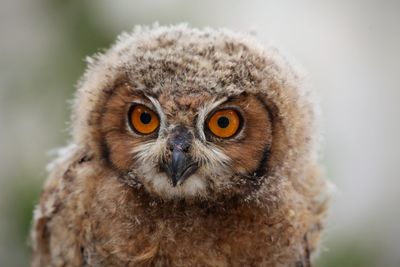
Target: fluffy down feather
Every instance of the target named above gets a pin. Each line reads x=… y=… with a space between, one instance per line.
x=94 y=211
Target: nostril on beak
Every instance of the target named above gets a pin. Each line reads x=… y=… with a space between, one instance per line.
x=180 y=139
x=180 y=147
x=185 y=147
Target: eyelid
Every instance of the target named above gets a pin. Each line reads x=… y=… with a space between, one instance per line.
x=147 y=104
x=221 y=108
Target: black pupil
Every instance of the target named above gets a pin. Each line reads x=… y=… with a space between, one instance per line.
x=145 y=117
x=223 y=122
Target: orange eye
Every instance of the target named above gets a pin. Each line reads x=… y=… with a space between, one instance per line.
x=224 y=123
x=143 y=120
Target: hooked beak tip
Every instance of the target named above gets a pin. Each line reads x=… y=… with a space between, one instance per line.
x=174 y=181
x=179 y=168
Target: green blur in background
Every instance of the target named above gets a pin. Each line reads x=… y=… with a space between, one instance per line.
x=42 y=51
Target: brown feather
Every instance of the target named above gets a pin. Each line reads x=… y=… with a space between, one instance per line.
x=257 y=199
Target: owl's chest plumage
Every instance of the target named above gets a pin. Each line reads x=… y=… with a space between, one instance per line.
x=99 y=221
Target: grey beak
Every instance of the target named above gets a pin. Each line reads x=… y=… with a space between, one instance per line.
x=180 y=167
x=180 y=164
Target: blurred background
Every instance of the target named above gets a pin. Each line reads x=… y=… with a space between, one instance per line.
x=350 y=49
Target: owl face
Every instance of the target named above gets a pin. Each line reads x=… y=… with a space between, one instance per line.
x=187 y=145
x=187 y=113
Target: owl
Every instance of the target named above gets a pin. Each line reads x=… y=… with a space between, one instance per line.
x=189 y=147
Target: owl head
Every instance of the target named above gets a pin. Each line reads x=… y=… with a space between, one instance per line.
x=183 y=113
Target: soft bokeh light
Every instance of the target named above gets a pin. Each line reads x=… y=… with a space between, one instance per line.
x=350 y=50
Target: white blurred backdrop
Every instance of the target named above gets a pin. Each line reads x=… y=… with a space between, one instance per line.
x=350 y=50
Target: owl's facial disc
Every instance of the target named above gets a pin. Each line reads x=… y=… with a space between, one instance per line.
x=196 y=146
